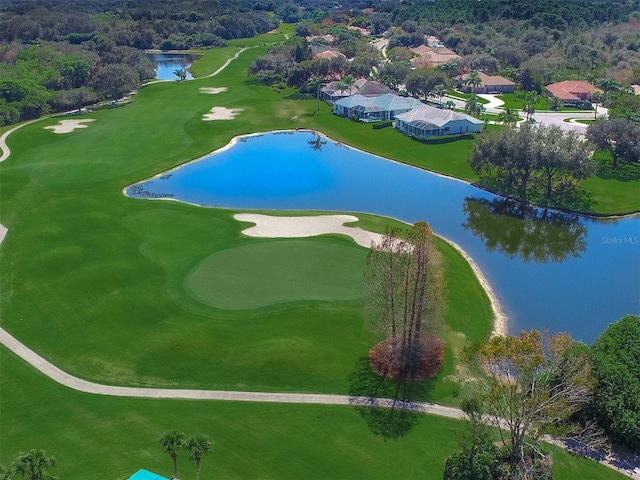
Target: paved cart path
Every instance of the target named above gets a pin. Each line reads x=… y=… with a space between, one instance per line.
x=630 y=467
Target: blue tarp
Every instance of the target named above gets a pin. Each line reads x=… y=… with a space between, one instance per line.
x=143 y=474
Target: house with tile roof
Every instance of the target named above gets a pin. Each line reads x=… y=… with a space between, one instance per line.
x=426 y=121
x=328 y=54
x=331 y=92
x=432 y=56
x=489 y=84
x=374 y=108
x=571 y=92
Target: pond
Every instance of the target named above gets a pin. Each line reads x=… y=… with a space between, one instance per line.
x=548 y=269
x=167 y=63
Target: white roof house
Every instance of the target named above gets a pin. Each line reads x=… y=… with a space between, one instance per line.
x=373 y=108
x=426 y=121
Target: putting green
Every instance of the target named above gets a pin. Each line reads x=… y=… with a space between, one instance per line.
x=267 y=273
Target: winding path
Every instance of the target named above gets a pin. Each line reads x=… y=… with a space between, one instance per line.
x=630 y=468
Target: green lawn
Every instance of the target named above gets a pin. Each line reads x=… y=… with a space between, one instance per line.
x=517 y=101
x=103 y=286
x=104 y=438
x=112 y=274
x=279 y=272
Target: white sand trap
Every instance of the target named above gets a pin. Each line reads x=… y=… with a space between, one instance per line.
x=295 y=227
x=268 y=226
x=68 y=126
x=221 y=113
x=213 y=90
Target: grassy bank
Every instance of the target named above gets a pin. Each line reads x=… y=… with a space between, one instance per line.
x=105 y=438
x=95 y=282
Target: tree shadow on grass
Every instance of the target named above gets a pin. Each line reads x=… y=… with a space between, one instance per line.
x=443 y=139
x=386 y=405
x=300 y=96
x=625 y=172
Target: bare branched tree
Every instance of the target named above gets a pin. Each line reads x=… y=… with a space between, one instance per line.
x=405 y=290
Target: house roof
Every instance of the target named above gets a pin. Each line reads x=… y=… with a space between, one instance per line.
x=571 y=89
x=327 y=38
x=432 y=55
x=490 y=80
x=434 y=116
x=387 y=102
x=329 y=54
x=371 y=88
x=635 y=89
x=363 y=31
x=332 y=88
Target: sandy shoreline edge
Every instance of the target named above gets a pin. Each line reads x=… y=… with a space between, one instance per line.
x=271 y=226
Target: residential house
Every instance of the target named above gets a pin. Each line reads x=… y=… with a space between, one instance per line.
x=635 y=89
x=489 y=84
x=332 y=92
x=571 y=92
x=320 y=39
x=434 y=42
x=328 y=54
x=365 y=32
x=432 y=56
x=427 y=121
x=374 y=108
x=373 y=87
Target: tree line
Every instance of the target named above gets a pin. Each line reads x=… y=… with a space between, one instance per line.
x=61 y=55
x=528 y=385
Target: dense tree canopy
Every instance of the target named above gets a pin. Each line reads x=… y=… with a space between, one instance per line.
x=616 y=358
x=532 y=381
x=541 y=158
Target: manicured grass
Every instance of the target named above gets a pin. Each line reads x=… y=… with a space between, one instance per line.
x=268 y=273
x=94 y=281
x=518 y=101
x=614 y=189
x=104 y=438
x=110 y=270
x=465 y=96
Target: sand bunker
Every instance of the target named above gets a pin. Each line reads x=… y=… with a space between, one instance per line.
x=221 y=113
x=213 y=90
x=68 y=126
x=295 y=227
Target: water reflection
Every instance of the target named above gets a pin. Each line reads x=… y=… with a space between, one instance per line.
x=317 y=142
x=534 y=234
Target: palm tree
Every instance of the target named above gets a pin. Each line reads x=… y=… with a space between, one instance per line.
x=198 y=445
x=181 y=73
x=450 y=105
x=440 y=90
x=555 y=103
x=529 y=108
x=474 y=79
x=172 y=442
x=349 y=82
x=508 y=116
x=596 y=98
x=315 y=83
x=607 y=85
x=34 y=465
x=473 y=105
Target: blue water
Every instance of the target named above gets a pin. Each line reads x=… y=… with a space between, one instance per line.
x=167 y=63
x=548 y=270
